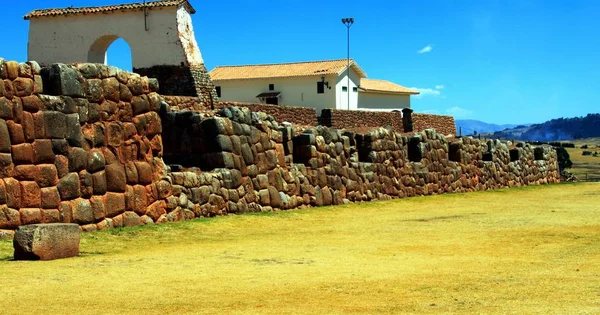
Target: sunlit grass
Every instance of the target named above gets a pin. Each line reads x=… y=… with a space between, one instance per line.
x=585 y=166
x=526 y=250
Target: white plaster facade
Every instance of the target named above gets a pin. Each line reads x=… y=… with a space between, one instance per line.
x=295 y=91
x=161 y=36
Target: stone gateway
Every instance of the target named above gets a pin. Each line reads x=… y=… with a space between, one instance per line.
x=160 y=34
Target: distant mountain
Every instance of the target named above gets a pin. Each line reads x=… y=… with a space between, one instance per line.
x=555 y=129
x=471 y=126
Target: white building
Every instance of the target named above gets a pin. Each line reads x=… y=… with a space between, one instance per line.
x=317 y=84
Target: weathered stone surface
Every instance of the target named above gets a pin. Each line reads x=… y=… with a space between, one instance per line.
x=9 y=218
x=46 y=241
x=68 y=187
x=64 y=80
x=50 y=198
x=115 y=204
x=82 y=211
x=116 y=180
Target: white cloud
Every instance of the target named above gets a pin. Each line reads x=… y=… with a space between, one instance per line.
x=439 y=87
x=430 y=111
x=426 y=92
x=458 y=112
x=425 y=49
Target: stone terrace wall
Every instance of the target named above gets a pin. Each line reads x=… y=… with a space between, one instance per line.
x=78 y=144
x=348 y=119
x=443 y=124
x=84 y=144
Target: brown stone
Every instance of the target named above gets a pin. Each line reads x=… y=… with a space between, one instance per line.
x=12 y=69
x=140 y=201
x=115 y=204
x=156 y=210
x=77 y=159
x=30 y=195
x=46 y=241
x=2 y=193
x=145 y=173
x=98 y=208
x=131 y=173
x=82 y=211
x=22 y=153
x=4 y=137
x=6 y=165
x=39 y=124
x=32 y=103
x=131 y=219
x=13 y=193
x=115 y=133
x=30 y=215
x=68 y=187
x=111 y=89
x=47 y=175
x=164 y=189
x=26 y=172
x=28 y=127
x=99 y=182
x=86 y=184
x=42 y=151
x=66 y=212
x=116 y=180
x=50 y=198
x=62 y=165
x=9 y=218
x=23 y=86
x=16 y=132
x=50 y=216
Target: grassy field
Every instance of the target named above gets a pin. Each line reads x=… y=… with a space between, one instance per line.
x=585 y=166
x=526 y=250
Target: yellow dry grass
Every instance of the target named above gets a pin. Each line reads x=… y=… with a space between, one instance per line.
x=585 y=166
x=527 y=250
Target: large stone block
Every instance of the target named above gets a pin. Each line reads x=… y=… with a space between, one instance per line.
x=30 y=194
x=4 y=137
x=46 y=241
x=68 y=187
x=64 y=80
x=9 y=218
x=116 y=180
x=43 y=151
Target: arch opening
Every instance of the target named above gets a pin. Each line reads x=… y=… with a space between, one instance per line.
x=111 y=50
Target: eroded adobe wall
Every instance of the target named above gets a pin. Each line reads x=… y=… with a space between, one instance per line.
x=88 y=144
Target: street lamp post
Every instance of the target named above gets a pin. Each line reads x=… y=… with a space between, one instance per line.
x=348 y=22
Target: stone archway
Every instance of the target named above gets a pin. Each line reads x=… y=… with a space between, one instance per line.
x=159 y=33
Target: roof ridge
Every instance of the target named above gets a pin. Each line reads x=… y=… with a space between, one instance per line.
x=282 y=63
x=104 y=8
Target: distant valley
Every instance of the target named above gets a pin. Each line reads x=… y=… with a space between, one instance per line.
x=555 y=129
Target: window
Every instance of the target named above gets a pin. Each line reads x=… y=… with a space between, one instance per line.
x=271 y=87
x=515 y=155
x=454 y=152
x=355 y=89
x=320 y=87
x=538 y=153
x=218 y=88
x=415 y=152
x=344 y=89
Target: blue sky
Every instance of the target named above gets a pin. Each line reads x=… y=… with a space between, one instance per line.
x=497 y=61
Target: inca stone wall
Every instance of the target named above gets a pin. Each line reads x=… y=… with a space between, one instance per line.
x=443 y=124
x=85 y=144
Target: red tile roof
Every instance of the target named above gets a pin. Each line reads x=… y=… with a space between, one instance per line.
x=110 y=8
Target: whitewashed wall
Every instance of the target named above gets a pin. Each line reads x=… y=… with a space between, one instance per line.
x=85 y=38
x=301 y=91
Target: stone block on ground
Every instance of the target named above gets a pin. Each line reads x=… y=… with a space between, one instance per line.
x=46 y=241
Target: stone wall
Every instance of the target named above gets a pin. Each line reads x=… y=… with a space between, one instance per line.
x=305 y=116
x=443 y=124
x=84 y=144
x=184 y=81
x=78 y=144
x=349 y=119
